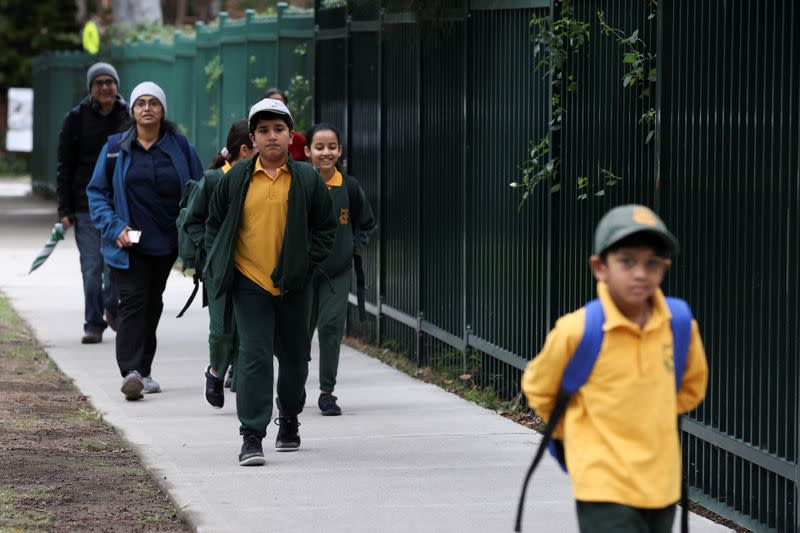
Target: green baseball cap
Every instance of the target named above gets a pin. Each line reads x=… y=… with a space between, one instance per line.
x=626 y=220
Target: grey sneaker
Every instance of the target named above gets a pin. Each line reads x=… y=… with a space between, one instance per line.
x=132 y=386
x=150 y=385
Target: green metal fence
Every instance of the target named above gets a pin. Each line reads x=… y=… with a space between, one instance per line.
x=211 y=78
x=439 y=106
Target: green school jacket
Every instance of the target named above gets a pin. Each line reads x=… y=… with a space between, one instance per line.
x=351 y=235
x=307 y=240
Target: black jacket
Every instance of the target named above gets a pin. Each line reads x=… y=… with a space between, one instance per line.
x=83 y=135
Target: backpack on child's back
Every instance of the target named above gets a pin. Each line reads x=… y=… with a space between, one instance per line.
x=580 y=367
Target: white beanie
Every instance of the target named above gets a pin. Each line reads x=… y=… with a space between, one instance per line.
x=148 y=88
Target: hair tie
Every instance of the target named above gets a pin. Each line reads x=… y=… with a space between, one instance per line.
x=224 y=153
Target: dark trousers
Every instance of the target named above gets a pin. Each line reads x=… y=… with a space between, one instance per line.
x=140 y=287
x=328 y=313
x=222 y=343
x=98 y=293
x=601 y=517
x=268 y=325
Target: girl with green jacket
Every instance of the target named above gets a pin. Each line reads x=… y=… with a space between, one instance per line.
x=222 y=326
x=355 y=225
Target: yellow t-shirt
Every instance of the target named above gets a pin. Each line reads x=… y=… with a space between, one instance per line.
x=620 y=430
x=263 y=222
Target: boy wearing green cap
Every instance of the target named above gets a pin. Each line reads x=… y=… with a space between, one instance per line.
x=619 y=431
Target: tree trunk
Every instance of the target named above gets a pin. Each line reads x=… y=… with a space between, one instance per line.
x=136 y=12
x=80 y=11
x=180 y=12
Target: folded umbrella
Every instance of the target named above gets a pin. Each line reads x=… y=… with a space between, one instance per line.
x=57 y=234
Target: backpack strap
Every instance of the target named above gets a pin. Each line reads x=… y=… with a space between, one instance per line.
x=580 y=365
x=355 y=206
x=111 y=158
x=353 y=199
x=681 y=324
x=196 y=281
x=575 y=375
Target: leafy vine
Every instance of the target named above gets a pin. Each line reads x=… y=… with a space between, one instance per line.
x=641 y=73
x=555 y=40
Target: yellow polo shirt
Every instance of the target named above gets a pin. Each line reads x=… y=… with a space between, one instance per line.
x=620 y=430
x=263 y=222
x=336 y=180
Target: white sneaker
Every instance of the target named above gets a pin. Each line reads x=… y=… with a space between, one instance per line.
x=150 y=385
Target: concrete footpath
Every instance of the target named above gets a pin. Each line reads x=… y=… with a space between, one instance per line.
x=404 y=457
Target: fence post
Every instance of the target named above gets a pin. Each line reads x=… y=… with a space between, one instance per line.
x=380 y=247
x=282 y=7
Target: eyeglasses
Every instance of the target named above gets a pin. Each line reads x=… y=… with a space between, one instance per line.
x=104 y=83
x=152 y=104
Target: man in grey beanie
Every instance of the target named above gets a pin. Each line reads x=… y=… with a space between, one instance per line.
x=84 y=132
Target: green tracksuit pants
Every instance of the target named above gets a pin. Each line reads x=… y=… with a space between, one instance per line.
x=268 y=325
x=222 y=341
x=328 y=313
x=600 y=517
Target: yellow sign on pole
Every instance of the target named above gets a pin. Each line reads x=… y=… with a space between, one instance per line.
x=91 y=37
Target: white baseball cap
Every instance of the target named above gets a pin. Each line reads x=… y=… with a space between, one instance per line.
x=270 y=105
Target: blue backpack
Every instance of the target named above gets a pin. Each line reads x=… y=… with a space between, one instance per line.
x=580 y=367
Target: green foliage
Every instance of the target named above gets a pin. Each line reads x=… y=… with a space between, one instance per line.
x=12 y=164
x=31 y=28
x=118 y=33
x=641 y=71
x=299 y=94
x=609 y=180
x=213 y=119
x=537 y=169
x=554 y=42
x=213 y=70
x=20 y=511
x=260 y=83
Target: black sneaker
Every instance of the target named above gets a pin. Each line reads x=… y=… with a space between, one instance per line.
x=214 y=393
x=229 y=378
x=327 y=404
x=288 y=439
x=252 y=453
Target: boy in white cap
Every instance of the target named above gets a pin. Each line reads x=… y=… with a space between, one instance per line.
x=270 y=225
x=86 y=128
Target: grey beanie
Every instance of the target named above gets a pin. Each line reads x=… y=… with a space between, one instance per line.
x=100 y=69
x=148 y=88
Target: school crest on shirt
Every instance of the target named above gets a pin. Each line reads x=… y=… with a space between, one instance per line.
x=668 y=354
x=344 y=216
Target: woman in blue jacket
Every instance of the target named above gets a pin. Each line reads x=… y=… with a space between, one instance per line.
x=134 y=196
